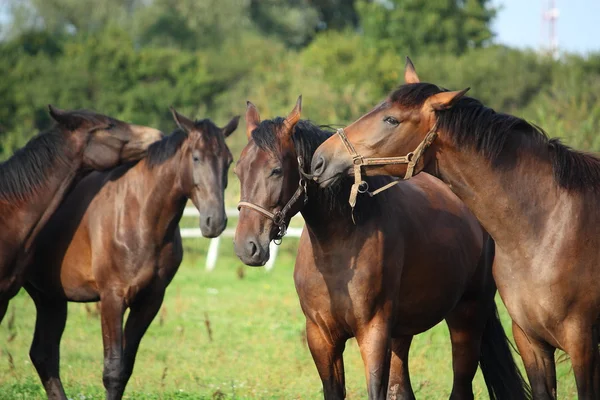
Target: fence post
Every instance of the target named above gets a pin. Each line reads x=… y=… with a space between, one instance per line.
x=213 y=253
x=213 y=250
x=273 y=248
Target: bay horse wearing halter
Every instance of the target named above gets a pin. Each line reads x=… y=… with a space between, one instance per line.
x=35 y=179
x=415 y=256
x=116 y=240
x=536 y=197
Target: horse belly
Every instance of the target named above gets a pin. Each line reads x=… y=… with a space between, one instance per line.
x=429 y=290
x=76 y=275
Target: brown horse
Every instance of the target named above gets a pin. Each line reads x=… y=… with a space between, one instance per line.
x=35 y=179
x=416 y=256
x=116 y=239
x=536 y=197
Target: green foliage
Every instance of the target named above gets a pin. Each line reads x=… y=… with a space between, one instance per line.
x=426 y=26
x=134 y=59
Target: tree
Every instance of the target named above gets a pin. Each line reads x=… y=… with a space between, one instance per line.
x=60 y=17
x=427 y=26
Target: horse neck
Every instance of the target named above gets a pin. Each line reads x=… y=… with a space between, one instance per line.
x=512 y=200
x=163 y=198
x=323 y=221
x=35 y=208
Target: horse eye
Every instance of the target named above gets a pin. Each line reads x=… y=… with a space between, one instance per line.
x=276 y=171
x=391 y=120
x=195 y=158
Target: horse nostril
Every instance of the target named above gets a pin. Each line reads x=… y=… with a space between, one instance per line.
x=318 y=166
x=252 y=248
x=207 y=221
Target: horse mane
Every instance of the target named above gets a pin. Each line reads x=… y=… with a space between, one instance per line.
x=307 y=137
x=471 y=124
x=30 y=166
x=164 y=149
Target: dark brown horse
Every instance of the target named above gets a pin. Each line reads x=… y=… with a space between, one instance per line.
x=116 y=239
x=415 y=256
x=536 y=197
x=35 y=179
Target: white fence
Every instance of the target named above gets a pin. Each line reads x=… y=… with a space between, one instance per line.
x=213 y=249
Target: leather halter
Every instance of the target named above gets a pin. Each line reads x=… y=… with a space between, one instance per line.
x=279 y=217
x=361 y=186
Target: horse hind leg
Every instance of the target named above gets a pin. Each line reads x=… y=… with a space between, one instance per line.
x=466 y=330
x=45 y=349
x=399 y=387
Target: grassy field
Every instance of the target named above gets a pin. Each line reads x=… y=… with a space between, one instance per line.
x=256 y=349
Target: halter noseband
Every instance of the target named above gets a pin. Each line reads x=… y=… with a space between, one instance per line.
x=361 y=186
x=279 y=217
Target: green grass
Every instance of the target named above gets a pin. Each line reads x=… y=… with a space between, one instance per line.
x=258 y=349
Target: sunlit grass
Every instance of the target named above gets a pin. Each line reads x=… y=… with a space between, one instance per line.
x=257 y=351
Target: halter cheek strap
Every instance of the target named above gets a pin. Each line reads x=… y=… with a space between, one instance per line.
x=361 y=186
x=279 y=217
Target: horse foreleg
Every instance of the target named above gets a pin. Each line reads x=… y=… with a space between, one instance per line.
x=375 y=349
x=538 y=358
x=112 y=308
x=399 y=387
x=45 y=348
x=328 y=357
x=582 y=347
x=141 y=314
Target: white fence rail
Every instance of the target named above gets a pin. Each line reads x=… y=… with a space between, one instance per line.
x=213 y=250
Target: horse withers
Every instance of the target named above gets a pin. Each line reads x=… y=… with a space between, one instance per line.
x=414 y=257
x=116 y=240
x=35 y=179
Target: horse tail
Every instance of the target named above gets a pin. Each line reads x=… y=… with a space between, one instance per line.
x=500 y=372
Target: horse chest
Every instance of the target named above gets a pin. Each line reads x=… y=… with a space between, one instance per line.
x=337 y=301
x=536 y=294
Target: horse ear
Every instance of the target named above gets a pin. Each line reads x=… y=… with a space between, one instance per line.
x=66 y=119
x=252 y=119
x=293 y=117
x=410 y=74
x=231 y=126
x=184 y=123
x=445 y=100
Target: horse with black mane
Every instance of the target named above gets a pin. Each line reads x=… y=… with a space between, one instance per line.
x=416 y=256
x=36 y=178
x=536 y=197
x=116 y=240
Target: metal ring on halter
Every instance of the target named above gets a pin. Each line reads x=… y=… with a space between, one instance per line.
x=363 y=187
x=278 y=218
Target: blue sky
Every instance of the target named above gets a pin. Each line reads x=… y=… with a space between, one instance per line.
x=519 y=23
